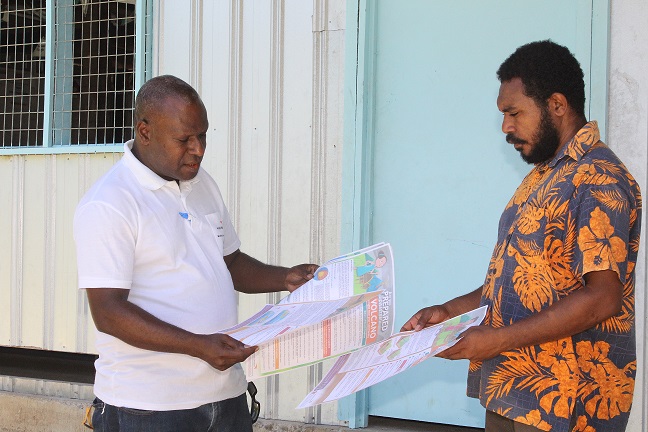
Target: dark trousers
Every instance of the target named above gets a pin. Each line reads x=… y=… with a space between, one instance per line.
x=498 y=423
x=230 y=415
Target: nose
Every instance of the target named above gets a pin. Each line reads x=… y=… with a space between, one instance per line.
x=507 y=125
x=197 y=146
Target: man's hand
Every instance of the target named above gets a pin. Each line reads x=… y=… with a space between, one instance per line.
x=299 y=275
x=222 y=351
x=435 y=314
x=476 y=344
x=426 y=317
x=251 y=276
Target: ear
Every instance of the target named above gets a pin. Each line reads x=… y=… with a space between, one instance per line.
x=143 y=132
x=557 y=105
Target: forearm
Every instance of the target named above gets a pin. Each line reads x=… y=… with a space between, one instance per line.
x=134 y=326
x=573 y=314
x=251 y=276
x=464 y=303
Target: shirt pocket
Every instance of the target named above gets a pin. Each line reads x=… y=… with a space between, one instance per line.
x=215 y=222
x=528 y=233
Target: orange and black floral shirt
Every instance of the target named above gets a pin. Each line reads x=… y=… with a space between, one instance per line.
x=577 y=213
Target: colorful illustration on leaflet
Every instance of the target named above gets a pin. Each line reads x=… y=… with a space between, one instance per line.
x=367 y=277
x=321 y=273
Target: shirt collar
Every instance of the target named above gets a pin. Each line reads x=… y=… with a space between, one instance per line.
x=147 y=178
x=580 y=144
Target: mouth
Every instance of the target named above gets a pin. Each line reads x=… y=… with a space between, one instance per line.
x=517 y=142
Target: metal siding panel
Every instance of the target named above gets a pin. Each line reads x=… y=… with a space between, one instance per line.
x=216 y=90
x=6 y=196
x=175 y=18
x=33 y=295
x=297 y=134
x=255 y=128
x=16 y=259
x=67 y=192
x=49 y=259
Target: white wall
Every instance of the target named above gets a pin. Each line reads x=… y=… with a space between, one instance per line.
x=628 y=137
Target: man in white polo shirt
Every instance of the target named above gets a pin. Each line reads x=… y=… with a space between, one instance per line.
x=160 y=262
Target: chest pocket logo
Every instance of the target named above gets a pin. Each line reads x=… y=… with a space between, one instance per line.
x=215 y=223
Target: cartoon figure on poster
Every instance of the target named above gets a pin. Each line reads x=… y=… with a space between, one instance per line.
x=368 y=274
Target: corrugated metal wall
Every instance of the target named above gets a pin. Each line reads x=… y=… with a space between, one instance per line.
x=271 y=75
x=41 y=307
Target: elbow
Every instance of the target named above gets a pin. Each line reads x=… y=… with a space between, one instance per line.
x=607 y=309
x=103 y=321
x=614 y=307
x=102 y=324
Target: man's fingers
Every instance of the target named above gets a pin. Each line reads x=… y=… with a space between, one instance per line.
x=418 y=321
x=425 y=317
x=409 y=325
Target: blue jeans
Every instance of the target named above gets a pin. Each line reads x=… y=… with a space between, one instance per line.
x=230 y=415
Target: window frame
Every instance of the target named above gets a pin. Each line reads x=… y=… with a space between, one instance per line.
x=142 y=62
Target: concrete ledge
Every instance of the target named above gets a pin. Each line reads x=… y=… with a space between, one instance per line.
x=28 y=413
x=263 y=425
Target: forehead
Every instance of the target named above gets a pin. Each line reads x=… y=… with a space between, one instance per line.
x=179 y=110
x=512 y=96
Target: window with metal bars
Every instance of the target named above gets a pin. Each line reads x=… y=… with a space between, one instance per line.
x=69 y=70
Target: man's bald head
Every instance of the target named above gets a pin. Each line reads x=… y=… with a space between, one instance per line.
x=151 y=96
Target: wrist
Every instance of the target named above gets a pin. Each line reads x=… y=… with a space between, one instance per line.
x=506 y=340
x=193 y=344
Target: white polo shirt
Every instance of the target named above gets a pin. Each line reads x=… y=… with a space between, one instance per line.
x=165 y=243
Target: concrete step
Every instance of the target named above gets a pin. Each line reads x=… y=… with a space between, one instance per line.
x=28 y=413
x=376 y=424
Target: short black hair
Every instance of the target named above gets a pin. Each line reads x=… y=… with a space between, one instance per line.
x=158 y=89
x=546 y=68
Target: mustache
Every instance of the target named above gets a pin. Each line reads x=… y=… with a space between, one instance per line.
x=512 y=139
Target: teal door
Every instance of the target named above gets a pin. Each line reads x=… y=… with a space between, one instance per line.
x=427 y=166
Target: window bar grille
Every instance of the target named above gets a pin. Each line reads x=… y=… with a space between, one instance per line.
x=68 y=74
x=21 y=72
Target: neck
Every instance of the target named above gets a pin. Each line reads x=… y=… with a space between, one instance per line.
x=571 y=129
x=136 y=152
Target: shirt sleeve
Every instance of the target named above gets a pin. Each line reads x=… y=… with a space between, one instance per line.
x=105 y=247
x=602 y=220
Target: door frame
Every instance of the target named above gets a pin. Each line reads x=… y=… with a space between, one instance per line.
x=358 y=149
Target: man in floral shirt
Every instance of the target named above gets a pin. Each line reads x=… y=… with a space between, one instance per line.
x=557 y=348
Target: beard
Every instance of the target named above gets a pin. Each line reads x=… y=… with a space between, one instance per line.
x=546 y=139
